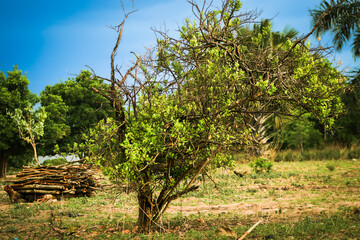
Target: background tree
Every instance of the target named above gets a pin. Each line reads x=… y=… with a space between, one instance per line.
x=263 y=122
x=55 y=124
x=196 y=98
x=342 y=19
x=72 y=109
x=347 y=127
x=30 y=123
x=300 y=133
x=14 y=93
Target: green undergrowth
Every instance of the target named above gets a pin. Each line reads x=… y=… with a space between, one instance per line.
x=326 y=153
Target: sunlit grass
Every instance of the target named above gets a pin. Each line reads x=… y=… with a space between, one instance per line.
x=295 y=199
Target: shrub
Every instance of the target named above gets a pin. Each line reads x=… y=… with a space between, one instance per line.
x=288 y=156
x=354 y=153
x=326 y=153
x=261 y=164
x=330 y=166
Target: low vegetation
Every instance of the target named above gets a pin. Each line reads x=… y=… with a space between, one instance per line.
x=325 y=153
x=295 y=200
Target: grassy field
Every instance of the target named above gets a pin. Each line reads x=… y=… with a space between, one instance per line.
x=296 y=200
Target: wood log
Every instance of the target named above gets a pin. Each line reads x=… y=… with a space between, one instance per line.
x=68 y=180
x=39 y=191
x=71 y=191
x=40 y=186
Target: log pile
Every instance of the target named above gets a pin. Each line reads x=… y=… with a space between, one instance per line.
x=68 y=180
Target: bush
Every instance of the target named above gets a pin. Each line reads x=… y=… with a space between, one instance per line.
x=326 y=153
x=261 y=164
x=288 y=156
x=18 y=161
x=354 y=153
x=301 y=133
x=330 y=166
x=54 y=162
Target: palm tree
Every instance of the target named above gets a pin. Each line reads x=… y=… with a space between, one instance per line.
x=275 y=39
x=261 y=123
x=342 y=19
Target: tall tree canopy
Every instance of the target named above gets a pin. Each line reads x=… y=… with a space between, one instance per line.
x=342 y=19
x=14 y=94
x=72 y=109
x=196 y=98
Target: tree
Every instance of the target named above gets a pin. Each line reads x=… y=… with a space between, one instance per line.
x=14 y=93
x=30 y=123
x=342 y=18
x=347 y=128
x=56 y=126
x=261 y=122
x=300 y=134
x=72 y=109
x=195 y=99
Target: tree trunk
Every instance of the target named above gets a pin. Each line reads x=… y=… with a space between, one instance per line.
x=260 y=127
x=35 y=153
x=3 y=164
x=146 y=209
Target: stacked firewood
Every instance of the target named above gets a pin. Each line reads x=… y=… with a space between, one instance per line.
x=68 y=180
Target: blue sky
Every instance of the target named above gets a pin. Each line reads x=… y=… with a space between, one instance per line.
x=54 y=40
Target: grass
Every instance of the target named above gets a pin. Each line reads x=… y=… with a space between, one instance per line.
x=296 y=200
x=326 y=153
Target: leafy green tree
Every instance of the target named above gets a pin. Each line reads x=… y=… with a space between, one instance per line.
x=30 y=123
x=300 y=133
x=72 y=109
x=342 y=19
x=347 y=127
x=14 y=94
x=196 y=99
x=55 y=124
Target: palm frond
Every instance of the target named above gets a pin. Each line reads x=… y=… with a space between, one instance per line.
x=356 y=43
x=342 y=18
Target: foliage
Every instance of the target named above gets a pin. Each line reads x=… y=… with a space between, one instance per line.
x=196 y=98
x=54 y=162
x=30 y=123
x=347 y=127
x=354 y=152
x=300 y=133
x=330 y=166
x=73 y=108
x=18 y=161
x=261 y=164
x=101 y=147
x=14 y=93
x=342 y=18
x=55 y=125
x=262 y=123
x=326 y=153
